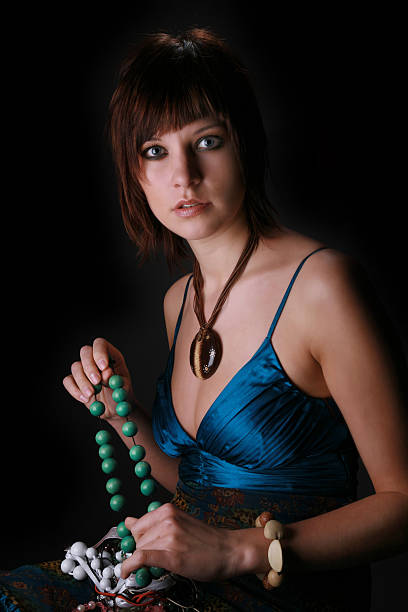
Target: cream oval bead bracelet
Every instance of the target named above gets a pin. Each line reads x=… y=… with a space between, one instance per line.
x=274 y=531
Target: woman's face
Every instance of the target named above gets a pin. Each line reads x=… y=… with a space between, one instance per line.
x=197 y=162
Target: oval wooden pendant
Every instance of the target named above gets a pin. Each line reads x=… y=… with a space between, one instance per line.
x=205 y=353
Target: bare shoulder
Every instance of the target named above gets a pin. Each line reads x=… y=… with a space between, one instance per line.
x=334 y=284
x=340 y=301
x=326 y=272
x=331 y=274
x=172 y=301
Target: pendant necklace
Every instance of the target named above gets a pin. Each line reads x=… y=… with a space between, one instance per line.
x=206 y=347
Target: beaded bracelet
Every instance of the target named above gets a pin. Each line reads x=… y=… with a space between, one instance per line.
x=273 y=530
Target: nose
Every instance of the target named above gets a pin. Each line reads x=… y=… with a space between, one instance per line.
x=185 y=171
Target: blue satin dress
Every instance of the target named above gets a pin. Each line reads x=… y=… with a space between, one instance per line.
x=264 y=444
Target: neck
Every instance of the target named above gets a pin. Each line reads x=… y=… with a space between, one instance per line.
x=219 y=254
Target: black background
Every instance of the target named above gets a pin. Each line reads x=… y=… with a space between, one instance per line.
x=329 y=88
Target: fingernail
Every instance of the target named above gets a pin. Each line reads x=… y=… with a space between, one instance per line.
x=83 y=398
x=94 y=378
x=102 y=364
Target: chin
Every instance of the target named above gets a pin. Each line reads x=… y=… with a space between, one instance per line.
x=199 y=233
x=191 y=230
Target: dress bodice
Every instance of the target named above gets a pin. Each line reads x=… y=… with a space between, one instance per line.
x=262 y=432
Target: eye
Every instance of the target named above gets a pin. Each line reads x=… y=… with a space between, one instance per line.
x=152 y=152
x=210 y=142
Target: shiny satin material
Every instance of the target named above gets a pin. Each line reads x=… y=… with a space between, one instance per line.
x=262 y=433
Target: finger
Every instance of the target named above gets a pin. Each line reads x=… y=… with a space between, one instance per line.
x=89 y=366
x=102 y=350
x=73 y=389
x=81 y=380
x=149 y=558
x=140 y=525
x=101 y=355
x=130 y=522
x=146 y=521
x=152 y=526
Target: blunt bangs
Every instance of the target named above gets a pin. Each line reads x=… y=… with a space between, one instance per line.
x=177 y=86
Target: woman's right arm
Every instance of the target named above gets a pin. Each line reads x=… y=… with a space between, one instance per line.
x=94 y=367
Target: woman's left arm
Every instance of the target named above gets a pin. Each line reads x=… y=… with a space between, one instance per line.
x=348 y=341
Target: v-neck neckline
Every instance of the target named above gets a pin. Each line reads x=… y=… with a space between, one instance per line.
x=266 y=342
x=222 y=392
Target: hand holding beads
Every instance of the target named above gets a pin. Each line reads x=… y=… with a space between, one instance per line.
x=93 y=371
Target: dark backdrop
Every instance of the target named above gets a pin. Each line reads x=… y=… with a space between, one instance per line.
x=329 y=90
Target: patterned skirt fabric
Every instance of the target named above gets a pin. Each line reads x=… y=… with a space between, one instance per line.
x=330 y=591
x=43 y=587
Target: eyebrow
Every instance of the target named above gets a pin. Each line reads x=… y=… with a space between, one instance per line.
x=203 y=129
x=207 y=127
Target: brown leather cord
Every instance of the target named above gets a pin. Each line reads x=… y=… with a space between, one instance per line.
x=198 y=281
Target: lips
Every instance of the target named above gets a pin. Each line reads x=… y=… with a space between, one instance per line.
x=189 y=203
x=190 y=208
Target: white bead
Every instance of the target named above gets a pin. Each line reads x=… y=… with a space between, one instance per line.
x=79 y=573
x=80 y=608
x=108 y=572
x=273 y=530
x=118 y=556
x=79 y=549
x=67 y=565
x=117 y=570
x=105 y=584
x=275 y=556
x=106 y=555
x=91 y=553
x=96 y=564
x=274 y=578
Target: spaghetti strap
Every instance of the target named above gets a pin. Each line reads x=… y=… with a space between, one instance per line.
x=285 y=297
x=181 y=310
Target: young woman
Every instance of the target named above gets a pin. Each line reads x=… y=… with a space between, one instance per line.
x=278 y=375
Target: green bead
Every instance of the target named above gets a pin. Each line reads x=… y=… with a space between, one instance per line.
x=97 y=408
x=137 y=452
x=103 y=437
x=129 y=429
x=113 y=485
x=97 y=388
x=106 y=451
x=117 y=502
x=115 y=381
x=153 y=505
x=142 y=576
x=123 y=409
x=122 y=530
x=128 y=544
x=142 y=469
x=119 y=394
x=109 y=465
x=156 y=571
x=147 y=486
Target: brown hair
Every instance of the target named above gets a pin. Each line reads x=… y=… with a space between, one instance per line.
x=165 y=83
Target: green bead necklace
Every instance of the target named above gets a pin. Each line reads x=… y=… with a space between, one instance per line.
x=143 y=575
